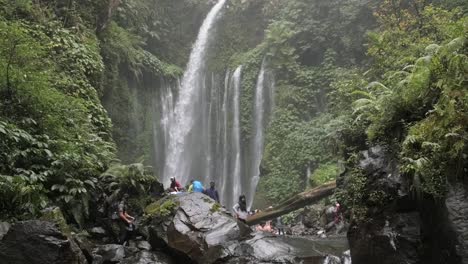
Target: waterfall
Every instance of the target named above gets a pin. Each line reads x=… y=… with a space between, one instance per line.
x=236 y=150
x=258 y=130
x=224 y=131
x=198 y=135
x=183 y=154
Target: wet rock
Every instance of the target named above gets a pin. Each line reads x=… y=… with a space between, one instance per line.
x=394 y=240
x=197 y=229
x=148 y=257
x=4 y=227
x=109 y=253
x=98 y=232
x=39 y=242
x=144 y=245
x=457 y=205
x=314 y=217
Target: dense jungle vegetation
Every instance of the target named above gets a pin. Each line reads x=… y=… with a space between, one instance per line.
x=349 y=74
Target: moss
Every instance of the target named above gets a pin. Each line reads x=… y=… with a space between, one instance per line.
x=162 y=208
x=215 y=208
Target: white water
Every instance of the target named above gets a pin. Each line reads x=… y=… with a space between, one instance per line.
x=258 y=140
x=224 y=131
x=181 y=149
x=236 y=151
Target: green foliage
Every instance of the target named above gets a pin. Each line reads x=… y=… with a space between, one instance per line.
x=324 y=173
x=354 y=196
x=125 y=48
x=290 y=219
x=55 y=133
x=135 y=179
x=419 y=105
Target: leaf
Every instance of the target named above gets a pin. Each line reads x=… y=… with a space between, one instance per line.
x=49 y=153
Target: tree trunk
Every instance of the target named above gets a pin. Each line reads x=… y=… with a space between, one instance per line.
x=296 y=202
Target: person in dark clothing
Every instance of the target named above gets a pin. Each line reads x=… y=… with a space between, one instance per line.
x=125 y=220
x=212 y=192
x=279 y=225
x=241 y=209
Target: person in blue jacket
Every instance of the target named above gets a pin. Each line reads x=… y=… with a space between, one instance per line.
x=196 y=186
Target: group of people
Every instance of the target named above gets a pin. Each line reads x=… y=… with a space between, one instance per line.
x=195 y=186
x=126 y=222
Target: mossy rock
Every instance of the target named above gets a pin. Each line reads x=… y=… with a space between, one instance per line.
x=162 y=208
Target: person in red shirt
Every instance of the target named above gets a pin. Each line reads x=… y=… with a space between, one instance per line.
x=175 y=185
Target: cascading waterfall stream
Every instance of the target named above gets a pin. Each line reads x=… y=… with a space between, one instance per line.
x=236 y=175
x=182 y=148
x=224 y=132
x=258 y=140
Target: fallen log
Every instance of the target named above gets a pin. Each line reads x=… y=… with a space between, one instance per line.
x=296 y=202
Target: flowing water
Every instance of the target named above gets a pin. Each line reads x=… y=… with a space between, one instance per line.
x=197 y=130
x=236 y=150
x=263 y=92
x=184 y=149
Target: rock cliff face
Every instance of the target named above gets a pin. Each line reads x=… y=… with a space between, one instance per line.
x=407 y=228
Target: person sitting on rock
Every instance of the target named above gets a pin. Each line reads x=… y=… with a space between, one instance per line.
x=265 y=227
x=125 y=220
x=175 y=185
x=268 y=227
x=240 y=209
x=212 y=192
x=196 y=186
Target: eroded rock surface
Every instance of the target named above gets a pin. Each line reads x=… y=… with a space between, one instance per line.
x=39 y=242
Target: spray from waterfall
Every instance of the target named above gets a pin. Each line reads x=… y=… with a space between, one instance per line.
x=183 y=151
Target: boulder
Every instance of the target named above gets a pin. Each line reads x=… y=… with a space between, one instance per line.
x=98 y=232
x=457 y=208
x=314 y=217
x=143 y=245
x=194 y=226
x=39 y=242
x=112 y=253
x=394 y=240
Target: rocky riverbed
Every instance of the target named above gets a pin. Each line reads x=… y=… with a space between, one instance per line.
x=192 y=230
